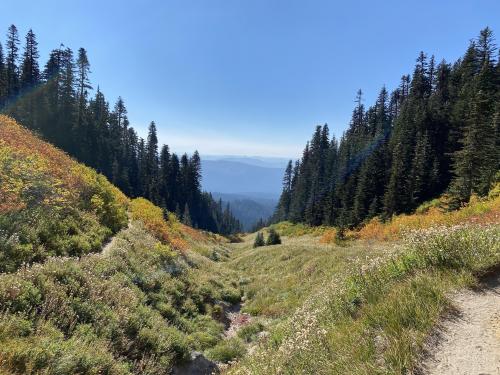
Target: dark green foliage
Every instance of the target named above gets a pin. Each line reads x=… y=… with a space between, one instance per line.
x=259 y=240
x=24 y=239
x=437 y=132
x=273 y=238
x=61 y=111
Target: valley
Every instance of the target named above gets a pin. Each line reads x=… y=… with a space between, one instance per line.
x=130 y=246
x=162 y=291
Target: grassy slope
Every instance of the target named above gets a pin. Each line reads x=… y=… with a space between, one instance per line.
x=278 y=278
x=366 y=308
x=139 y=308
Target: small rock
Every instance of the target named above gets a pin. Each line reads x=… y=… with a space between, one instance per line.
x=199 y=365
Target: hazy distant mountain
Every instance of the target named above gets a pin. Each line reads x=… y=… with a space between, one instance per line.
x=259 y=161
x=236 y=177
x=248 y=209
x=251 y=185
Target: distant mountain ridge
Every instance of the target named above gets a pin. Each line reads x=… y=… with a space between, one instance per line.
x=248 y=209
x=236 y=177
x=259 y=161
x=251 y=185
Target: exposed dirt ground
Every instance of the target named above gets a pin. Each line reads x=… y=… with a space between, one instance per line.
x=469 y=341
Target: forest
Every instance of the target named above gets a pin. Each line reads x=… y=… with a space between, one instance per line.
x=54 y=101
x=437 y=133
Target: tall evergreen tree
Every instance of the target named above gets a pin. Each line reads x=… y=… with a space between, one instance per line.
x=30 y=71
x=12 y=69
x=3 y=79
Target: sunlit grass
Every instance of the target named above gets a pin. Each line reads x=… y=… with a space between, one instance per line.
x=374 y=318
x=279 y=278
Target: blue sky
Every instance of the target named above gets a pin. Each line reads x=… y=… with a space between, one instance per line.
x=249 y=77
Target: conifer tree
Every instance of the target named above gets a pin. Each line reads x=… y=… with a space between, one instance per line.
x=259 y=240
x=164 y=175
x=152 y=163
x=30 y=71
x=273 y=237
x=12 y=70
x=82 y=72
x=3 y=79
x=27 y=108
x=283 y=208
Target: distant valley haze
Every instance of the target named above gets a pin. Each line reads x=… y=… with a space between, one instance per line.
x=237 y=175
x=250 y=184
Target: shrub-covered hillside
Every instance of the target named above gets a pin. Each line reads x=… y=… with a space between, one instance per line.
x=50 y=205
x=56 y=103
x=68 y=304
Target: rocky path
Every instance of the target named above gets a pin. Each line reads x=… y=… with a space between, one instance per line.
x=469 y=341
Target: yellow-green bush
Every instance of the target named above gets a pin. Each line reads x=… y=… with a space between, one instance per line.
x=50 y=204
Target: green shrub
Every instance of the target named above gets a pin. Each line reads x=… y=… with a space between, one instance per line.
x=227 y=350
x=249 y=331
x=259 y=240
x=273 y=238
x=142 y=305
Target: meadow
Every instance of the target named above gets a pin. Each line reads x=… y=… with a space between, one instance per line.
x=365 y=305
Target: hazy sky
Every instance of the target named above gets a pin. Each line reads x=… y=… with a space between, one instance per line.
x=249 y=77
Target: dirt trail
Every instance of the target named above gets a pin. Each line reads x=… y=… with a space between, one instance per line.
x=111 y=243
x=469 y=341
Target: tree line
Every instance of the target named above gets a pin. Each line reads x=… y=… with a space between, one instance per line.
x=55 y=102
x=438 y=132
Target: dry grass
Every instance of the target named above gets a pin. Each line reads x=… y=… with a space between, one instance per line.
x=480 y=211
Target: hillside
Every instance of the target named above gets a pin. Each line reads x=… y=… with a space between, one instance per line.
x=56 y=103
x=49 y=204
x=366 y=304
x=142 y=306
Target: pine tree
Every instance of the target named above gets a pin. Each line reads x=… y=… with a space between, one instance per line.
x=273 y=238
x=82 y=72
x=164 y=175
x=476 y=163
x=152 y=164
x=259 y=240
x=28 y=106
x=3 y=80
x=12 y=70
x=30 y=71
x=67 y=104
x=186 y=216
x=283 y=208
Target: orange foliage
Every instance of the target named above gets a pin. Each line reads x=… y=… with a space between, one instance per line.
x=328 y=237
x=478 y=211
x=152 y=216
x=32 y=169
x=194 y=234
